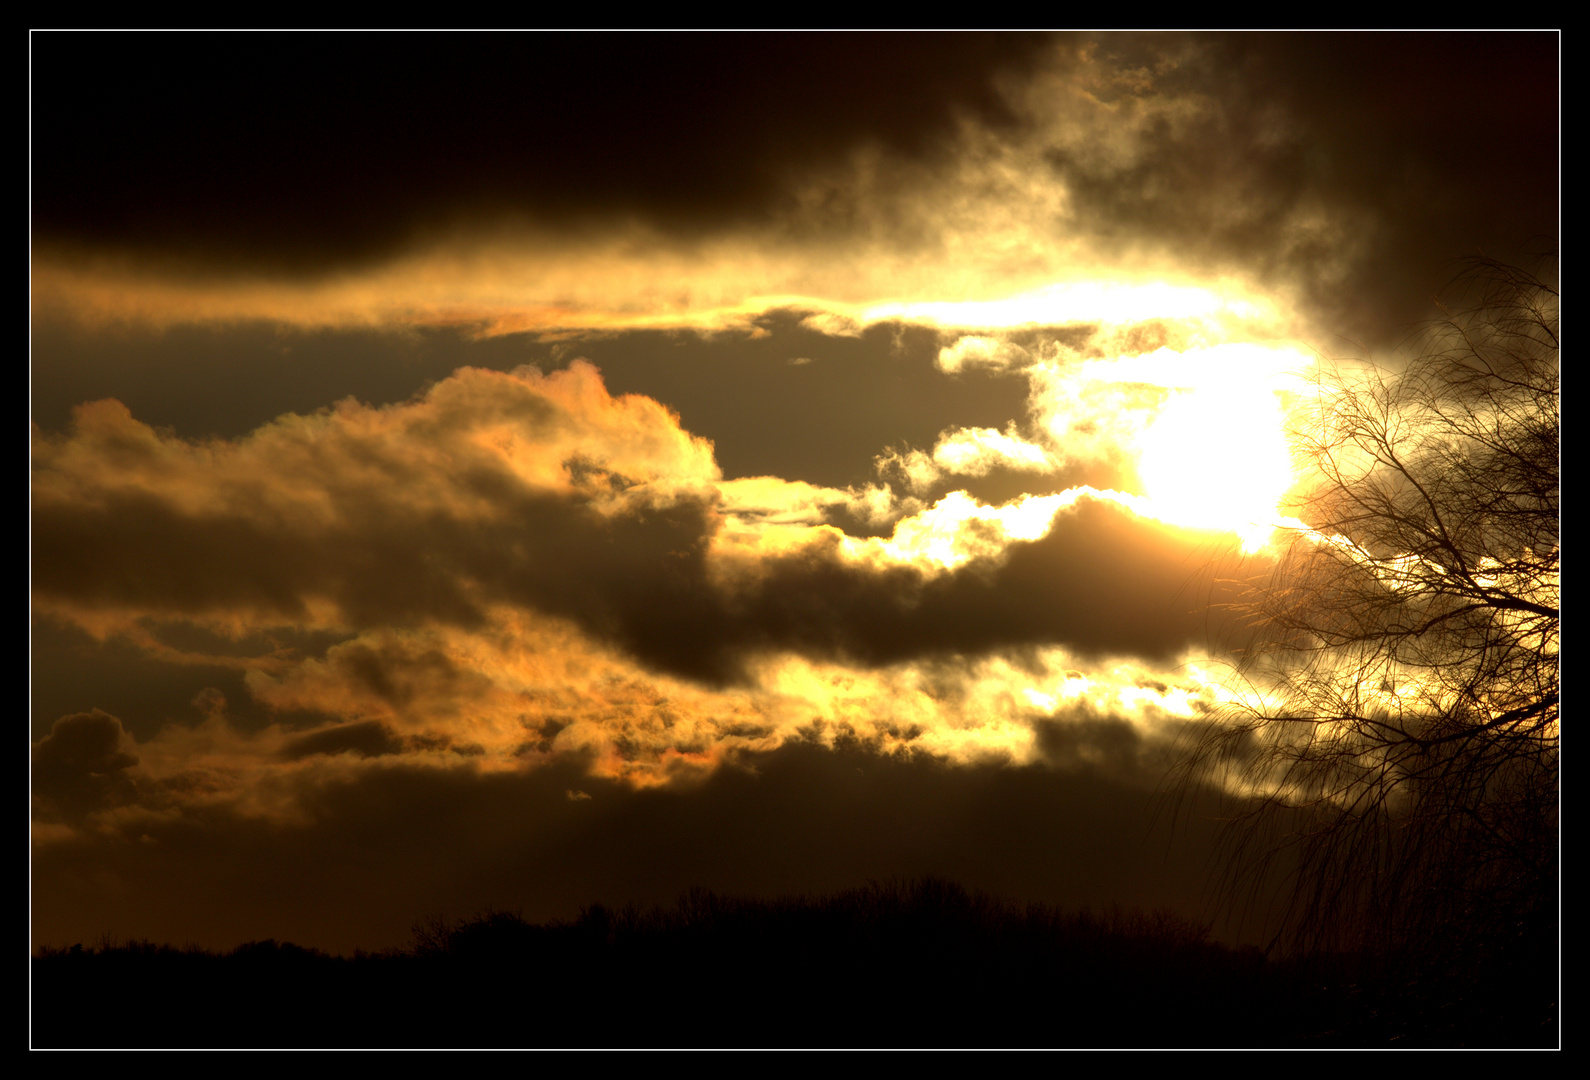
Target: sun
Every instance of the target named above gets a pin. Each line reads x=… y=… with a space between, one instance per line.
x=1217 y=458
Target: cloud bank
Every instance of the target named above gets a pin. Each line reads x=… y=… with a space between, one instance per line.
x=521 y=184
x=517 y=565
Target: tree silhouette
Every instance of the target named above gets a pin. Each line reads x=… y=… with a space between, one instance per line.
x=1398 y=730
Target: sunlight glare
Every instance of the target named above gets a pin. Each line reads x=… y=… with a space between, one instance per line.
x=1217 y=458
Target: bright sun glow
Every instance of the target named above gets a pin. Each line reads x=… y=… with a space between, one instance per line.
x=1217 y=458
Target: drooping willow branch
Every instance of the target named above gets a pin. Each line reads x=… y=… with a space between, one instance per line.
x=1397 y=736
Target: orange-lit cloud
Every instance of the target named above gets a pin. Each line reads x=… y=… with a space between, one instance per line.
x=521 y=566
x=528 y=691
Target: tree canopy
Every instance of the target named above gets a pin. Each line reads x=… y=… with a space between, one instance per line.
x=1399 y=730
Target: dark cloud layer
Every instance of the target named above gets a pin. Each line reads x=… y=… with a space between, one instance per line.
x=1358 y=165
x=379 y=852
x=1351 y=168
x=81 y=766
x=307 y=152
x=1102 y=582
x=368 y=739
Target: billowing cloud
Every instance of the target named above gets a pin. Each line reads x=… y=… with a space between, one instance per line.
x=532 y=694
x=515 y=568
x=544 y=491
x=81 y=766
x=356 y=512
x=977 y=350
x=974 y=451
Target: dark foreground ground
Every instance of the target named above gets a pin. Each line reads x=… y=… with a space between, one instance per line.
x=920 y=964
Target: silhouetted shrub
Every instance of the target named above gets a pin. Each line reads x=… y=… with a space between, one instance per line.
x=899 y=963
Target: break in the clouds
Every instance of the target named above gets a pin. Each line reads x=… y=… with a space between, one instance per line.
x=456 y=457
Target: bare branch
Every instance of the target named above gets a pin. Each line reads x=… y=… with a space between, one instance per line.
x=1396 y=725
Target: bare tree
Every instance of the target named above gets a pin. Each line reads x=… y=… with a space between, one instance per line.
x=1398 y=737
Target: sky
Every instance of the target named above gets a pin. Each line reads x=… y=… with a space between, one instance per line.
x=517 y=471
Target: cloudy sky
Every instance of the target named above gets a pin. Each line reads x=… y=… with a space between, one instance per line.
x=521 y=471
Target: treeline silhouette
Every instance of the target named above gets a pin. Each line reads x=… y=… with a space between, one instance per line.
x=921 y=963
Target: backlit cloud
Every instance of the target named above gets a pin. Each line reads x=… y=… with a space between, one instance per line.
x=521 y=565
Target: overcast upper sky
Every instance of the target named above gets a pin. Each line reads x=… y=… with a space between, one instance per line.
x=525 y=470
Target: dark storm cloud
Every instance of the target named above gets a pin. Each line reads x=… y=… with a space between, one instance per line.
x=1102 y=582
x=308 y=152
x=600 y=182
x=555 y=554
x=369 y=739
x=82 y=766
x=1356 y=165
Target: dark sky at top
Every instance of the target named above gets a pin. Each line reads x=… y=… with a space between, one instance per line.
x=306 y=154
x=302 y=155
